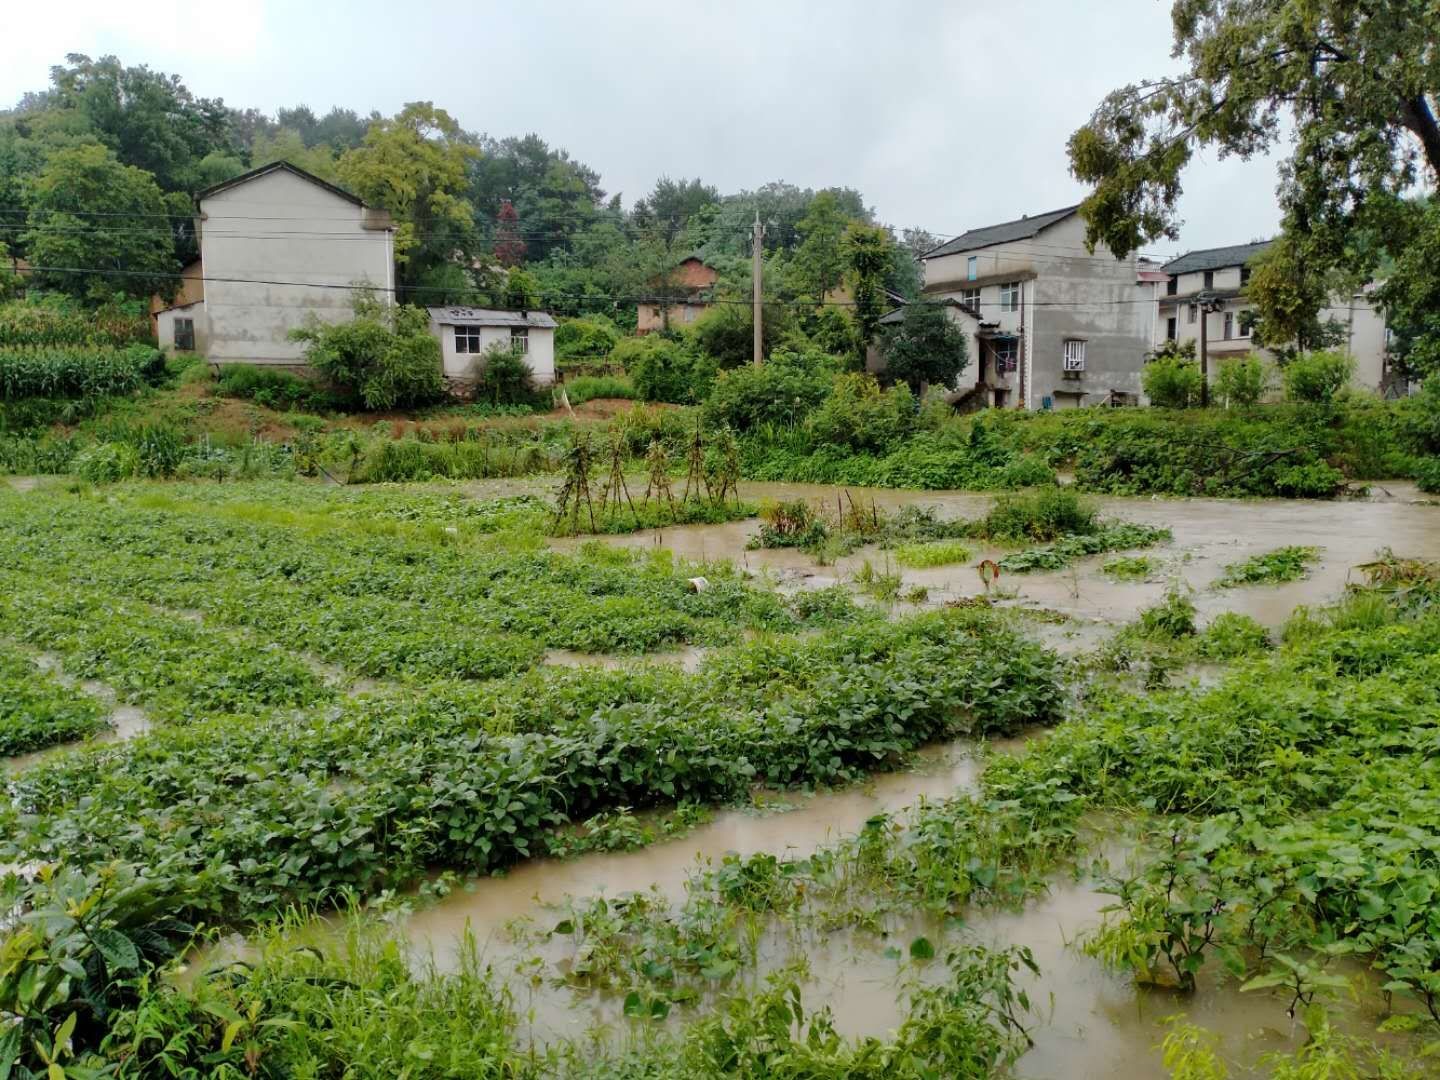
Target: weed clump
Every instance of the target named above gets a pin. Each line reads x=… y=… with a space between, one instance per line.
x=1043 y=514
x=1271 y=568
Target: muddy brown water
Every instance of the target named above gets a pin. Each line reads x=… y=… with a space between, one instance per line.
x=1208 y=535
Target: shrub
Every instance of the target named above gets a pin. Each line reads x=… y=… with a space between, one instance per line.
x=1240 y=382
x=271 y=388
x=1272 y=567
x=1171 y=619
x=1044 y=514
x=384 y=358
x=502 y=377
x=1427 y=476
x=664 y=369
x=725 y=333
x=1231 y=635
x=588 y=339
x=1318 y=377
x=781 y=391
x=860 y=416
x=1172 y=382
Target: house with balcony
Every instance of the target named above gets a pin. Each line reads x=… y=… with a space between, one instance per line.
x=1203 y=298
x=1051 y=324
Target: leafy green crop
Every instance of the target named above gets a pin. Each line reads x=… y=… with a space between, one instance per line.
x=1116 y=536
x=37 y=711
x=1273 y=567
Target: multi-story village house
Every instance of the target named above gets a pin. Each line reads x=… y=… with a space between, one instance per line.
x=1051 y=324
x=1205 y=291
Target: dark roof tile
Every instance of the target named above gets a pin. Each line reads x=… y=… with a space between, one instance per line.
x=1004 y=233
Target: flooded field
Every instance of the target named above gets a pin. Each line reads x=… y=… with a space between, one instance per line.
x=1088 y=1021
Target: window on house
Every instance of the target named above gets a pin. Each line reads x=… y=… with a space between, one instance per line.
x=1171 y=329
x=1244 y=276
x=972 y=268
x=185 y=335
x=1190 y=312
x=1229 y=325
x=1242 y=326
x=1010 y=296
x=467 y=339
x=1007 y=355
x=1074 y=355
x=1172 y=286
x=970 y=298
x=520 y=340
x=690 y=312
x=1209 y=279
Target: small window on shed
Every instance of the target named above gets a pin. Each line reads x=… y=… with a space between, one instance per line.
x=520 y=340
x=467 y=339
x=185 y=335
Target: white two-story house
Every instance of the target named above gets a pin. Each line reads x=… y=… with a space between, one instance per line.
x=277 y=246
x=1206 y=290
x=1051 y=324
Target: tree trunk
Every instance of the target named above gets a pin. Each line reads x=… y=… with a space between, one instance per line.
x=1420 y=120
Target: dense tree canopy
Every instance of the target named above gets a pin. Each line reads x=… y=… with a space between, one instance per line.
x=1353 y=85
x=925 y=347
x=468 y=206
x=74 y=256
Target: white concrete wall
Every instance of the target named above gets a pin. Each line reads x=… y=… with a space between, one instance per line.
x=282 y=228
x=540 y=357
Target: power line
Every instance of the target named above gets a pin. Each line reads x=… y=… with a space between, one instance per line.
x=638 y=298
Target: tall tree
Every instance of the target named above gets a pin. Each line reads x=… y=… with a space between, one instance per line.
x=925 y=347
x=1358 y=83
x=414 y=165
x=75 y=255
x=149 y=119
x=509 y=247
x=868 y=257
x=819 y=261
x=668 y=208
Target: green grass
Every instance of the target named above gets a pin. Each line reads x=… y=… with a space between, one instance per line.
x=1130 y=567
x=37 y=711
x=583 y=388
x=934 y=553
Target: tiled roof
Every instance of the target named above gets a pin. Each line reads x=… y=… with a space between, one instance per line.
x=476 y=316
x=276 y=166
x=1215 y=258
x=1005 y=232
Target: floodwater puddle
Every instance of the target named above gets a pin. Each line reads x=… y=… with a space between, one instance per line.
x=688 y=659
x=1208 y=535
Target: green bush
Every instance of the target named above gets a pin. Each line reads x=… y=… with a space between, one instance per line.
x=1172 y=382
x=272 y=388
x=1318 y=377
x=1240 y=382
x=54 y=321
x=663 y=369
x=588 y=339
x=1427 y=476
x=1044 y=514
x=858 y=415
x=383 y=358
x=782 y=391
x=502 y=377
x=725 y=333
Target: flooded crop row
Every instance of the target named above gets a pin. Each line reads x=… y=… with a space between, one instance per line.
x=683 y=795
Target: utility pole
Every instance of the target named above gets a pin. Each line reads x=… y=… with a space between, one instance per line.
x=1204 y=354
x=757 y=274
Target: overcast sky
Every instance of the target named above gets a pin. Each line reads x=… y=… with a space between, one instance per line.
x=946 y=114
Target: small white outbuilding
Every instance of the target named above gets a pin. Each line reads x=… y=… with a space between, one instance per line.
x=467 y=333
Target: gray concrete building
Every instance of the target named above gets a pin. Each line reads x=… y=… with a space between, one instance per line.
x=1051 y=325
